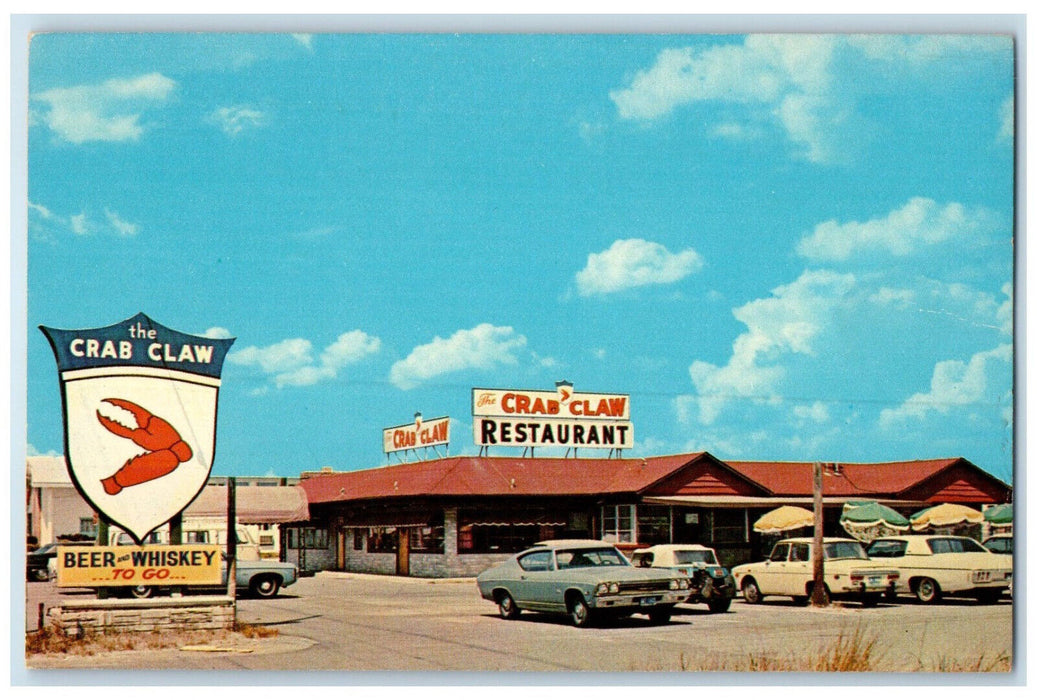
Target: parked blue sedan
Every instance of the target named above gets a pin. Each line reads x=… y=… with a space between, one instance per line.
x=584 y=579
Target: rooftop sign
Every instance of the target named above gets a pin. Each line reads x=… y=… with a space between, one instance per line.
x=562 y=418
x=420 y=433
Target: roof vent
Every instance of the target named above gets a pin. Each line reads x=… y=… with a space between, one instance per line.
x=395 y=486
x=327 y=470
x=512 y=483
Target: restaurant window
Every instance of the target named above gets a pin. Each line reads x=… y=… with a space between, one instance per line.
x=729 y=525
x=617 y=523
x=653 y=524
x=307 y=538
x=427 y=539
x=196 y=537
x=381 y=540
x=483 y=531
x=358 y=538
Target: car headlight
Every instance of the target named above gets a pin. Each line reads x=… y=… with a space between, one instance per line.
x=674 y=584
x=606 y=588
x=684 y=584
x=613 y=588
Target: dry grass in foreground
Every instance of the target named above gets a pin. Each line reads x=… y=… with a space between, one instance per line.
x=851 y=652
x=47 y=641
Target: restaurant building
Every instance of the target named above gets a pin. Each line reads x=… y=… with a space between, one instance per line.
x=455 y=516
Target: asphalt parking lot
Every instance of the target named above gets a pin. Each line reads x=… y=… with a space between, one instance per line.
x=353 y=622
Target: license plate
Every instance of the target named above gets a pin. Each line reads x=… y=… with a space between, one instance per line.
x=874 y=580
x=649 y=601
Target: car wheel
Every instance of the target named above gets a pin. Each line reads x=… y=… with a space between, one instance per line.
x=988 y=597
x=265 y=586
x=579 y=612
x=751 y=592
x=927 y=590
x=661 y=615
x=506 y=606
x=719 y=605
x=140 y=591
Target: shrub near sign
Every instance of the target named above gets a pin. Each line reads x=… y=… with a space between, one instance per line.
x=564 y=418
x=174 y=565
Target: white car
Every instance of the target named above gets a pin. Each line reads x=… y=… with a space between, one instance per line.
x=789 y=571
x=934 y=565
x=711 y=583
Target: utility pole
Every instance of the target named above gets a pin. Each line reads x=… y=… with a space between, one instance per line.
x=818 y=596
x=232 y=546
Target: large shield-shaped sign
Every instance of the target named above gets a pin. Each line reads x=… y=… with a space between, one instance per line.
x=139 y=403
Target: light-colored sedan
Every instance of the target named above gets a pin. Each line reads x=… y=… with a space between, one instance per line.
x=934 y=565
x=585 y=579
x=789 y=571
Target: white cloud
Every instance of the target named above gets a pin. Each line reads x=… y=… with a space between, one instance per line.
x=110 y=111
x=816 y=412
x=217 y=332
x=31 y=451
x=919 y=223
x=954 y=384
x=291 y=362
x=41 y=210
x=797 y=80
x=482 y=347
x=786 y=322
x=122 y=227
x=1007 y=308
x=634 y=263
x=1006 y=132
x=234 y=120
x=788 y=75
x=286 y=355
x=79 y=224
x=920 y=49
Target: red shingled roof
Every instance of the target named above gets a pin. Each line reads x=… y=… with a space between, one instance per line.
x=956 y=478
x=888 y=478
x=496 y=476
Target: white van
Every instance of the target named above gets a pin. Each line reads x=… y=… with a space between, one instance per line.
x=197 y=532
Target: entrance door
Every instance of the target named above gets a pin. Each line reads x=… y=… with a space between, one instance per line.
x=403 y=551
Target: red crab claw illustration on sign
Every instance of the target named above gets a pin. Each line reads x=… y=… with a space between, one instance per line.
x=166 y=449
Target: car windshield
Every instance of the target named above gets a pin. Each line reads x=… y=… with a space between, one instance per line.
x=844 y=550
x=581 y=558
x=695 y=556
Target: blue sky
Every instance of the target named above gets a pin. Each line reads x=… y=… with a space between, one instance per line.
x=782 y=247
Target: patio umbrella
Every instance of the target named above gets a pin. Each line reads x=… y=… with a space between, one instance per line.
x=866 y=521
x=784 y=518
x=999 y=515
x=944 y=515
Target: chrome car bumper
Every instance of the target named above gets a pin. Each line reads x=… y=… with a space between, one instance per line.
x=638 y=600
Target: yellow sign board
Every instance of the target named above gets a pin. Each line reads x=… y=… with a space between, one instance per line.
x=153 y=565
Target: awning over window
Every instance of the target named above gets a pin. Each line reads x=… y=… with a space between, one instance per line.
x=526 y=523
x=255 y=504
x=390 y=518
